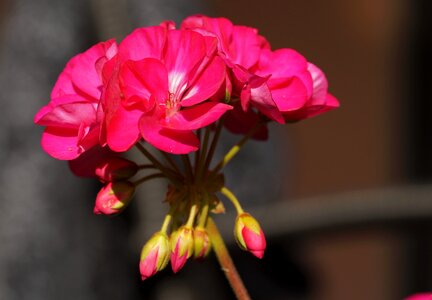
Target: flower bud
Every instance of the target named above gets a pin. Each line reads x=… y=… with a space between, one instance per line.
x=181 y=247
x=114 y=197
x=116 y=168
x=154 y=255
x=202 y=244
x=249 y=235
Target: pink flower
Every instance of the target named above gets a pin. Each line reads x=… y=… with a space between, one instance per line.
x=114 y=197
x=72 y=118
x=240 y=47
x=154 y=255
x=249 y=235
x=298 y=88
x=422 y=296
x=165 y=95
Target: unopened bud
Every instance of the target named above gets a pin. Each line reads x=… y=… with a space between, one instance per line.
x=202 y=244
x=116 y=168
x=154 y=255
x=114 y=197
x=181 y=247
x=249 y=235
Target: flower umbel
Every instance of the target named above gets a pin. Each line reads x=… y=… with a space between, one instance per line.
x=169 y=93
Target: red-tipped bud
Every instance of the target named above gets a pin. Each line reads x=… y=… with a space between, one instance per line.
x=249 y=235
x=116 y=168
x=114 y=197
x=181 y=247
x=202 y=244
x=154 y=255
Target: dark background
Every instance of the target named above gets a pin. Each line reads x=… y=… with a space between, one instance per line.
x=341 y=178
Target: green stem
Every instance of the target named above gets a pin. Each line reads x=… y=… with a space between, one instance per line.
x=236 y=148
x=192 y=216
x=227 y=193
x=166 y=223
x=148 y=177
x=226 y=262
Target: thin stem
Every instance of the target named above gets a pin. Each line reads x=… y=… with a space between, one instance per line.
x=226 y=262
x=236 y=148
x=166 y=171
x=201 y=164
x=227 y=193
x=192 y=216
x=171 y=162
x=146 y=166
x=213 y=145
x=188 y=167
x=166 y=223
x=148 y=177
x=203 y=216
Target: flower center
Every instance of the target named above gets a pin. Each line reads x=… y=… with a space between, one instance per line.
x=172 y=105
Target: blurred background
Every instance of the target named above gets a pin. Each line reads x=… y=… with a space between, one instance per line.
x=343 y=198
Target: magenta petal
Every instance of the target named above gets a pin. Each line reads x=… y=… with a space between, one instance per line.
x=86 y=164
x=69 y=115
x=239 y=122
x=245 y=46
x=61 y=143
x=263 y=101
x=289 y=93
x=122 y=130
x=144 y=78
x=197 y=116
x=143 y=43
x=85 y=75
x=184 y=52
x=207 y=84
x=168 y=140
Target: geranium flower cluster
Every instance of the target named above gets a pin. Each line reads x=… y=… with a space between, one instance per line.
x=176 y=89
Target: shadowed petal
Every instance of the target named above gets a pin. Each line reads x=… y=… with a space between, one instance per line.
x=197 y=116
x=168 y=140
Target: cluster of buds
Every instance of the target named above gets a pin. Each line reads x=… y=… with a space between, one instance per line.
x=192 y=238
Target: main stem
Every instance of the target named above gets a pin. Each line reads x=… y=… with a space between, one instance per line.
x=226 y=262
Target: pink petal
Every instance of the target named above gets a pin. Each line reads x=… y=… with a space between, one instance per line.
x=63 y=85
x=245 y=46
x=184 y=53
x=84 y=74
x=239 y=122
x=144 y=78
x=69 y=115
x=288 y=93
x=320 y=85
x=143 y=43
x=122 y=130
x=197 y=116
x=261 y=97
x=61 y=143
x=86 y=164
x=207 y=84
x=285 y=63
x=168 y=140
